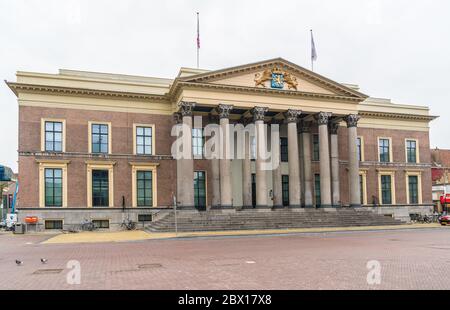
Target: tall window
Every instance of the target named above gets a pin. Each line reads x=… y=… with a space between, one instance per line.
x=413 y=187
x=285 y=189
x=198 y=141
x=53 y=136
x=384 y=149
x=144 y=188
x=144 y=136
x=411 y=151
x=100 y=188
x=315 y=154
x=199 y=190
x=284 y=149
x=100 y=138
x=317 y=189
x=53 y=187
x=386 y=189
x=359 y=148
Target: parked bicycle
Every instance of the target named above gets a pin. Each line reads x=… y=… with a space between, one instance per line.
x=128 y=224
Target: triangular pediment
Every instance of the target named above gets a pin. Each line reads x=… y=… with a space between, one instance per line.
x=276 y=74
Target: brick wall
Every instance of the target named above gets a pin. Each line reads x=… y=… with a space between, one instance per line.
x=77 y=142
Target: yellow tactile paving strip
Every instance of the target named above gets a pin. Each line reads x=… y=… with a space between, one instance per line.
x=137 y=235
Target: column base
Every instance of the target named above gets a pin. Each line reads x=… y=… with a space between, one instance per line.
x=308 y=206
x=278 y=207
x=358 y=205
x=294 y=206
x=262 y=207
x=247 y=207
x=335 y=206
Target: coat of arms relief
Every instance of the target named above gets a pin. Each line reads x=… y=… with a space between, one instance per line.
x=277 y=78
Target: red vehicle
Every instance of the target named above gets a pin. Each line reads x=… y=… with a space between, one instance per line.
x=444 y=219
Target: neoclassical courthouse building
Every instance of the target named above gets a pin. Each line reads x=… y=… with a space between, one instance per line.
x=98 y=146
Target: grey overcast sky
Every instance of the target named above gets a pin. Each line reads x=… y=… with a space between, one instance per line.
x=392 y=49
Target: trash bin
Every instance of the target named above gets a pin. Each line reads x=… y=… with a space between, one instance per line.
x=20 y=228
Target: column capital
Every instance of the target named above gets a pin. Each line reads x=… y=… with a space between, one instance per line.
x=186 y=108
x=322 y=118
x=352 y=120
x=224 y=110
x=305 y=126
x=259 y=113
x=292 y=115
x=333 y=127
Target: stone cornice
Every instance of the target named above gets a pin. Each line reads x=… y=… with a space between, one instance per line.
x=179 y=85
x=20 y=87
x=397 y=115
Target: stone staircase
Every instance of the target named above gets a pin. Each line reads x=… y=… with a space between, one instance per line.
x=189 y=221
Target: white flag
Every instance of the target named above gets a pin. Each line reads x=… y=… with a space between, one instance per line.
x=313 y=48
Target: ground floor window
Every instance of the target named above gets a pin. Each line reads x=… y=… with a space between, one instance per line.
x=200 y=189
x=285 y=189
x=386 y=189
x=101 y=223
x=53 y=187
x=145 y=218
x=53 y=224
x=413 y=186
x=144 y=188
x=317 y=189
x=100 y=188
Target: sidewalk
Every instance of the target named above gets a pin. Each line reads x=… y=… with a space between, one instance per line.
x=138 y=235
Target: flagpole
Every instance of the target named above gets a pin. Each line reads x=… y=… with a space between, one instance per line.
x=312 y=58
x=198 y=40
x=313 y=51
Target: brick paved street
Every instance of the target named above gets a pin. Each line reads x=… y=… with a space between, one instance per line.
x=410 y=259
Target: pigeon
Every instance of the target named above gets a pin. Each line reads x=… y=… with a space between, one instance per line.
x=44 y=260
x=19 y=262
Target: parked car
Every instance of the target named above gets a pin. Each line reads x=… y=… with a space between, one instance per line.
x=444 y=219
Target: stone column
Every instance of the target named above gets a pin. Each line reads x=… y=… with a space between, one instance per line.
x=246 y=174
x=187 y=162
x=291 y=117
x=353 y=162
x=276 y=172
x=215 y=171
x=215 y=167
x=336 y=200
x=261 y=183
x=226 y=196
x=324 y=157
x=307 y=172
